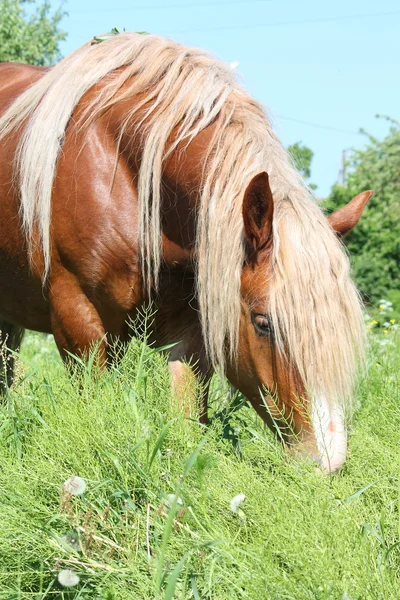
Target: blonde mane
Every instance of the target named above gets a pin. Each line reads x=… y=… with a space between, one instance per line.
x=313 y=303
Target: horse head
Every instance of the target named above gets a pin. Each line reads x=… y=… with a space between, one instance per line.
x=265 y=368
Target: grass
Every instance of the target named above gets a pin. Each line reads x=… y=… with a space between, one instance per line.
x=155 y=521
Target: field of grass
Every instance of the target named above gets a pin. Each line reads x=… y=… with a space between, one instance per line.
x=155 y=519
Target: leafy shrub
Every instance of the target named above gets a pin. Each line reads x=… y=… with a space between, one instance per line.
x=374 y=244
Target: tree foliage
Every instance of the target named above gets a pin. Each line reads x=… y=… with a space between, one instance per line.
x=375 y=243
x=302 y=158
x=29 y=32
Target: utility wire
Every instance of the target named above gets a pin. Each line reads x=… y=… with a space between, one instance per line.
x=294 y=22
x=168 y=6
x=261 y=25
x=318 y=126
x=264 y=25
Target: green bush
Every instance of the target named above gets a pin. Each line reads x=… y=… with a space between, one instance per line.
x=374 y=244
x=30 y=38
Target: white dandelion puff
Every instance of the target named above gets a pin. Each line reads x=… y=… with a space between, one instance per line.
x=71 y=539
x=68 y=578
x=75 y=486
x=171 y=499
x=236 y=502
x=146 y=430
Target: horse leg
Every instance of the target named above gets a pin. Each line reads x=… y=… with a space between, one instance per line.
x=187 y=380
x=76 y=324
x=10 y=341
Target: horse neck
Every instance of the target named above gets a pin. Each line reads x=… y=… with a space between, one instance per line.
x=182 y=174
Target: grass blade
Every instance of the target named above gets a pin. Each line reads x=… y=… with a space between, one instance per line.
x=173 y=578
x=160 y=440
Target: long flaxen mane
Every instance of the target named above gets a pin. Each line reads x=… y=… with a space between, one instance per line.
x=312 y=303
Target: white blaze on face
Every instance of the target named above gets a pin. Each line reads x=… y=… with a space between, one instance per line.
x=330 y=434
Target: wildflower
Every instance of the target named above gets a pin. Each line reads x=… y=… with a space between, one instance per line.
x=374 y=322
x=378 y=364
x=75 y=486
x=385 y=331
x=68 y=578
x=393 y=321
x=236 y=502
x=385 y=306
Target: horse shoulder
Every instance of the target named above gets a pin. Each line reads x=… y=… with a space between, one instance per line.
x=95 y=217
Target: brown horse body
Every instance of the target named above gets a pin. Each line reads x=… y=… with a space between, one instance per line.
x=95 y=282
x=96 y=276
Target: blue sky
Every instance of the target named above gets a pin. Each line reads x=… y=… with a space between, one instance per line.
x=322 y=69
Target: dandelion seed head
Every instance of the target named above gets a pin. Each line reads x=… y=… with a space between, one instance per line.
x=170 y=499
x=74 y=485
x=146 y=430
x=236 y=502
x=68 y=578
x=72 y=540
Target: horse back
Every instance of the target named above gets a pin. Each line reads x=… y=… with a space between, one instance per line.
x=15 y=273
x=15 y=78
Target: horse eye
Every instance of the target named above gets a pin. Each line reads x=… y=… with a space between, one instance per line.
x=262 y=324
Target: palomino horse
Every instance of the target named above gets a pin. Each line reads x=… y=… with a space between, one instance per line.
x=138 y=169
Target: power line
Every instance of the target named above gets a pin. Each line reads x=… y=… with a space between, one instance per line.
x=319 y=126
x=168 y=6
x=265 y=25
x=283 y=23
x=276 y=24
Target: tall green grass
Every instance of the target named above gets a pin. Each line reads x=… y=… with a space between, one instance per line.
x=155 y=520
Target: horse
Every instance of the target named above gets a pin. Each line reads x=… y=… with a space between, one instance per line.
x=138 y=170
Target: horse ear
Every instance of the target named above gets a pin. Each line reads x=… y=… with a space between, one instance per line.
x=258 y=209
x=345 y=218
